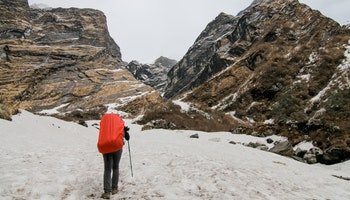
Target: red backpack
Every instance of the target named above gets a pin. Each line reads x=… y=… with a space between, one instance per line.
x=110 y=138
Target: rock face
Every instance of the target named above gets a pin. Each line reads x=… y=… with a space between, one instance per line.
x=154 y=75
x=60 y=57
x=279 y=66
x=206 y=57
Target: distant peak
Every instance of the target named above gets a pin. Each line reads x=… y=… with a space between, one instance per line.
x=135 y=62
x=163 y=58
x=164 y=61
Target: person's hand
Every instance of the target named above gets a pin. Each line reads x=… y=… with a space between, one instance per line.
x=126 y=133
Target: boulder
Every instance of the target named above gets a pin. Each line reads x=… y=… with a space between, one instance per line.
x=232 y=142
x=334 y=155
x=194 y=136
x=269 y=140
x=283 y=148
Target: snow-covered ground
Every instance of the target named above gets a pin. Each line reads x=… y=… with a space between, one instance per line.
x=46 y=158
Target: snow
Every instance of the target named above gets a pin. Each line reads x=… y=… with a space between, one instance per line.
x=53 y=110
x=312 y=58
x=185 y=107
x=233 y=115
x=269 y=122
x=306 y=146
x=320 y=94
x=46 y=158
x=318 y=114
x=111 y=108
x=221 y=105
x=144 y=77
x=340 y=77
x=346 y=63
x=305 y=77
x=304 y=73
x=109 y=70
x=250 y=120
x=40 y=6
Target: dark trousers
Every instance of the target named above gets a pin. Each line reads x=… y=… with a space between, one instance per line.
x=111 y=161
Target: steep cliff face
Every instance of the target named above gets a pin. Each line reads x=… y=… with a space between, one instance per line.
x=206 y=57
x=60 y=56
x=155 y=74
x=282 y=67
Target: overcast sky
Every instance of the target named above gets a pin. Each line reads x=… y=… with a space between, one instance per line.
x=147 y=29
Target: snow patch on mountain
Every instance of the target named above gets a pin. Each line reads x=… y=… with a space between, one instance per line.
x=340 y=78
x=185 y=107
x=53 y=110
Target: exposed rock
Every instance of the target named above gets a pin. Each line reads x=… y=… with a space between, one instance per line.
x=141 y=105
x=164 y=62
x=335 y=155
x=300 y=153
x=202 y=120
x=269 y=140
x=194 y=136
x=298 y=159
x=159 y=124
x=155 y=74
x=83 y=123
x=60 y=56
x=263 y=148
x=283 y=148
x=203 y=59
x=254 y=144
x=232 y=142
x=310 y=158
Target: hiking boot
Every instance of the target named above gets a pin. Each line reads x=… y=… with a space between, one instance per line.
x=114 y=191
x=106 y=195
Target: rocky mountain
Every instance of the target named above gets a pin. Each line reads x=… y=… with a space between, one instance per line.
x=155 y=74
x=278 y=67
x=60 y=58
x=203 y=59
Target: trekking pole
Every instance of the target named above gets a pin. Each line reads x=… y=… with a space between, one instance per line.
x=132 y=174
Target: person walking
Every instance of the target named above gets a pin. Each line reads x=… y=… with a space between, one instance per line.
x=110 y=144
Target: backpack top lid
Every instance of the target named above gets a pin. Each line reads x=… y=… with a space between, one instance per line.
x=111 y=133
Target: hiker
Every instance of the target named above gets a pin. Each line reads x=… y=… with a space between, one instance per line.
x=110 y=144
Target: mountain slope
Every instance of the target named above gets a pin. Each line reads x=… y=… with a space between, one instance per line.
x=167 y=165
x=60 y=56
x=203 y=59
x=281 y=67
